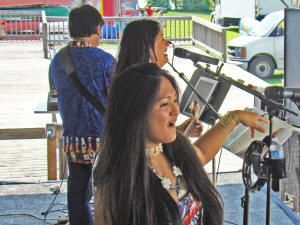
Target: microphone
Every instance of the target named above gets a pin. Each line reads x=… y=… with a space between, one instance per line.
x=195 y=57
x=277 y=92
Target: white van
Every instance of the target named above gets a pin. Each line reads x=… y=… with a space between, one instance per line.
x=229 y=12
x=262 y=50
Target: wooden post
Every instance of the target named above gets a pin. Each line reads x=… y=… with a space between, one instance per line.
x=45 y=35
x=51 y=151
x=63 y=165
x=54 y=142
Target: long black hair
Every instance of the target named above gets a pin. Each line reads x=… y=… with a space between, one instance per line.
x=138 y=38
x=133 y=194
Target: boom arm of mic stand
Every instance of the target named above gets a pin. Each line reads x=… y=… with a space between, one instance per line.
x=245 y=88
x=183 y=77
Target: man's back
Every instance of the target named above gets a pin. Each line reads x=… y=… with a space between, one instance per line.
x=94 y=68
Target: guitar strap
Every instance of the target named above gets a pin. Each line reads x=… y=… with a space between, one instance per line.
x=69 y=69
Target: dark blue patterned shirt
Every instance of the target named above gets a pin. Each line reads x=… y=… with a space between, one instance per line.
x=94 y=67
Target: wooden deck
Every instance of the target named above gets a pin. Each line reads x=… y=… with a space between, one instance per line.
x=24 y=86
x=24 y=83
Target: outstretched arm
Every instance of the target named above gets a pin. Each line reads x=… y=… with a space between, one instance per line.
x=208 y=145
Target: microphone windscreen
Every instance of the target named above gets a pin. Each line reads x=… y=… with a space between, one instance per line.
x=180 y=52
x=274 y=92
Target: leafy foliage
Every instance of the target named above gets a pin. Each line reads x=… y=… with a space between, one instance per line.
x=196 y=4
x=184 y=4
x=160 y=3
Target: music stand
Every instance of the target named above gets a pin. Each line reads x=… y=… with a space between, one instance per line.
x=212 y=90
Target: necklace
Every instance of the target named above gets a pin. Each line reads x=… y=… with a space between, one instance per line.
x=81 y=44
x=153 y=151
x=166 y=182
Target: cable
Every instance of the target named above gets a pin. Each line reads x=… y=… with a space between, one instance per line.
x=226 y=221
x=44 y=220
x=217 y=173
x=52 y=203
x=63 y=209
x=27 y=214
x=56 y=194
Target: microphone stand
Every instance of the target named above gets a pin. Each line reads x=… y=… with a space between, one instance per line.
x=184 y=78
x=229 y=80
x=215 y=114
x=269 y=102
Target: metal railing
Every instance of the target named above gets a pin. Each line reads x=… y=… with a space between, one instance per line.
x=210 y=36
x=20 y=25
x=175 y=29
x=54 y=31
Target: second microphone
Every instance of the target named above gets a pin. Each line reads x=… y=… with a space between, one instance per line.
x=195 y=57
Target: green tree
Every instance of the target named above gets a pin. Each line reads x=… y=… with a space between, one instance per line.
x=176 y=3
x=160 y=3
x=196 y=4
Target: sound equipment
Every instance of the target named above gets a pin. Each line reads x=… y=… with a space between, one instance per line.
x=291 y=58
x=289 y=187
x=240 y=138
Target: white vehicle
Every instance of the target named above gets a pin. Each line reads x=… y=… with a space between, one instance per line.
x=262 y=50
x=229 y=12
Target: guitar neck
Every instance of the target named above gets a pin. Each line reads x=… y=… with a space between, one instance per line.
x=195 y=109
x=189 y=128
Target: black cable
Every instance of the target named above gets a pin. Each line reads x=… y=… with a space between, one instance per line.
x=56 y=194
x=44 y=220
x=52 y=203
x=226 y=221
x=63 y=209
x=27 y=214
x=217 y=173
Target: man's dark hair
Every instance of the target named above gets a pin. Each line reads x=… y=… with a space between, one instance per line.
x=83 y=21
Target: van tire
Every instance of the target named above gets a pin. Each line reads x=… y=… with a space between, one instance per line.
x=262 y=66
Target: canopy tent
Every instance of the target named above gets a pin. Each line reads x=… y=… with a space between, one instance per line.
x=9 y=3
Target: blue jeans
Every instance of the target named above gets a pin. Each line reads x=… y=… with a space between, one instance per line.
x=80 y=192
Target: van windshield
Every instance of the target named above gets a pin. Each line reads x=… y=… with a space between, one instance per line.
x=269 y=22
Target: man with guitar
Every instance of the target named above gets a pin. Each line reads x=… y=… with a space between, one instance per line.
x=82 y=122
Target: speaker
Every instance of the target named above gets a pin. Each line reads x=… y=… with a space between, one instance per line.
x=210 y=89
x=291 y=48
x=289 y=187
x=291 y=59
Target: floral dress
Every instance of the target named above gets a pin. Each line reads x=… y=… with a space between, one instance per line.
x=190 y=210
